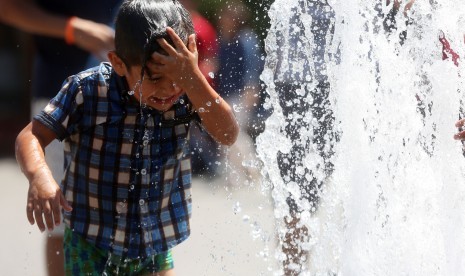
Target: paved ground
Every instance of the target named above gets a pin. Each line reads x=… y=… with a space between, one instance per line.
x=232 y=229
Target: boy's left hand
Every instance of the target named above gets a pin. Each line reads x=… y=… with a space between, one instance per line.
x=181 y=62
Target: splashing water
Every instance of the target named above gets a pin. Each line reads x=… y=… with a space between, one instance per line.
x=394 y=202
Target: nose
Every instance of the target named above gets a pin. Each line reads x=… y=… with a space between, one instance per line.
x=170 y=88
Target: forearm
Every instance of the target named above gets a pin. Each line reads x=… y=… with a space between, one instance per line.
x=27 y=16
x=30 y=155
x=44 y=196
x=216 y=115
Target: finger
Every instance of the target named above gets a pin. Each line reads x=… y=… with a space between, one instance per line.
x=180 y=45
x=47 y=210
x=158 y=59
x=155 y=68
x=39 y=218
x=65 y=204
x=460 y=136
x=460 y=123
x=407 y=8
x=192 y=45
x=167 y=47
x=30 y=213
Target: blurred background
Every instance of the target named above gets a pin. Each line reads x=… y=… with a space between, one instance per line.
x=15 y=61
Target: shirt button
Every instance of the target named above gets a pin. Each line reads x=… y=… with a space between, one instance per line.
x=141 y=202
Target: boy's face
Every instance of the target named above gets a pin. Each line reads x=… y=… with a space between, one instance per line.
x=155 y=90
x=158 y=91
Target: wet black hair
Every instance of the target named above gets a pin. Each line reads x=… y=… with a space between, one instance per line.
x=140 y=23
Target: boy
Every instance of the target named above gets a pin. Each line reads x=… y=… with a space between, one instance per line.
x=125 y=125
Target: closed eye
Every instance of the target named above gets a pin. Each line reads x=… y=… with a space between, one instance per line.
x=154 y=78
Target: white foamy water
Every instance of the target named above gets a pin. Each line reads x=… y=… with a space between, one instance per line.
x=395 y=203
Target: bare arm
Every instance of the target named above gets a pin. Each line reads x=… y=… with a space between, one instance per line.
x=44 y=196
x=216 y=115
x=181 y=66
x=25 y=15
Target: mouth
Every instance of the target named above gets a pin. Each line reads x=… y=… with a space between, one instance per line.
x=165 y=100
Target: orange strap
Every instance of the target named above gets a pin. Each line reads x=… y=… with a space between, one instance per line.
x=69 y=31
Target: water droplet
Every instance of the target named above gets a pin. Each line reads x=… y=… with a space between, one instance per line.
x=218 y=100
x=256 y=230
x=141 y=202
x=58 y=252
x=181 y=101
x=237 y=108
x=251 y=164
x=211 y=75
x=143 y=171
x=245 y=218
x=130 y=93
x=209 y=103
x=237 y=208
x=201 y=110
x=131 y=187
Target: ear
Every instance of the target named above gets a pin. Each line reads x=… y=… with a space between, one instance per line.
x=117 y=64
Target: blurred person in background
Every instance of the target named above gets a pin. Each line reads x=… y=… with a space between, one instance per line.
x=238 y=82
x=69 y=36
x=206 y=154
x=303 y=87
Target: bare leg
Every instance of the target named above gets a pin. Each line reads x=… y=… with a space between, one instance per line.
x=54 y=256
x=295 y=255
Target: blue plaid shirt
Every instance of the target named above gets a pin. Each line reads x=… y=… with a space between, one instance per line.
x=127 y=168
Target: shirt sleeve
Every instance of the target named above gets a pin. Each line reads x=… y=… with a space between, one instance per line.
x=62 y=113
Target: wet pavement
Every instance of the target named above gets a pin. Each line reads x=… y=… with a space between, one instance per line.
x=232 y=229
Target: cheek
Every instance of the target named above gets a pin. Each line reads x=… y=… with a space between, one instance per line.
x=149 y=88
x=176 y=89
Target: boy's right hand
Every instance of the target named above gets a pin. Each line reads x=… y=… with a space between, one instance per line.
x=44 y=199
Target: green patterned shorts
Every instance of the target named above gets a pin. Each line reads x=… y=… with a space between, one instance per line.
x=83 y=258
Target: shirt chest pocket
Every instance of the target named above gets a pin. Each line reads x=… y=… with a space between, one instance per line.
x=112 y=137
